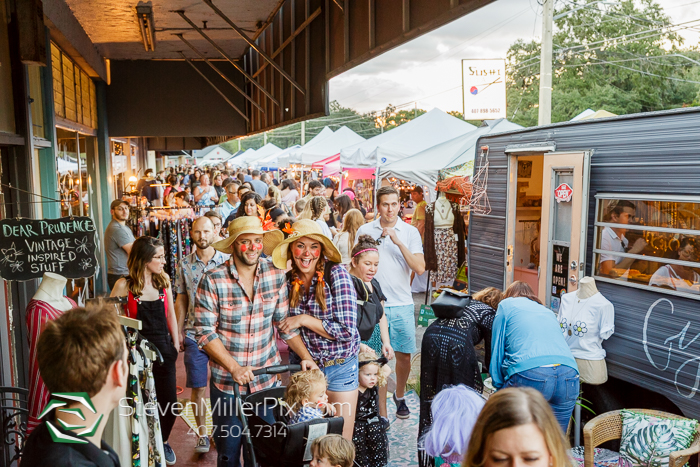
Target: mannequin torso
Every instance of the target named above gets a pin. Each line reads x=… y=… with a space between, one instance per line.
x=51 y=292
x=444 y=218
x=586 y=288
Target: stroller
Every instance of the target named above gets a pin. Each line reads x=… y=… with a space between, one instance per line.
x=278 y=444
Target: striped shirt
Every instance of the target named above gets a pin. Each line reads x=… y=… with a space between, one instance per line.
x=38 y=314
x=224 y=311
x=339 y=320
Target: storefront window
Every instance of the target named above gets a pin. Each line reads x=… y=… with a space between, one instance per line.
x=73 y=90
x=36 y=103
x=650 y=242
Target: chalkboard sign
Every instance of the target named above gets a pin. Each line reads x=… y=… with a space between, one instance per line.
x=29 y=248
x=560 y=274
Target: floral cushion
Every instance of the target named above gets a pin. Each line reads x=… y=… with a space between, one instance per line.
x=601 y=457
x=648 y=441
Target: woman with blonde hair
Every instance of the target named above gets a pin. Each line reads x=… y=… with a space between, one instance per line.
x=317 y=210
x=529 y=349
x=517 y=427
x=345 y=239
x=150 y=300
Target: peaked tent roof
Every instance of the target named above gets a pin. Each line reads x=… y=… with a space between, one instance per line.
x=238 y=160
x=285 y=161
x=327 y=147
x=214 y=151
x=424 y=168
x=272 y=160
x=421 y=133
x=267 y=150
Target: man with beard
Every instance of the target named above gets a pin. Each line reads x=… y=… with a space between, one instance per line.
x=118 y=241
x=189 y=272
x=237 y=306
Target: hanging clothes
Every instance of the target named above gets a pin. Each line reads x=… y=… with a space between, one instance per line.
x=440 y=245
x=38 y=314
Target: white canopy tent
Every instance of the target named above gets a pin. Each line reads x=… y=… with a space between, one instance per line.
x=238 y=161
x=284 y=161
x=424 y=168
x=421 y=133
x=326 y=147
x=272 y=161
x=265 y=151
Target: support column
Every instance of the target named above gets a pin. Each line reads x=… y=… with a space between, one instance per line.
x=105 y=183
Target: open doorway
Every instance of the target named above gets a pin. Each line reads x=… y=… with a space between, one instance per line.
x=528 y=220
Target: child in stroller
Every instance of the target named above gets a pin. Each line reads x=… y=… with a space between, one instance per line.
x=280 y=443
x=306 y=396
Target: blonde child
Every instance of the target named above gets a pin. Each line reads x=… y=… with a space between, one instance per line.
x=306 y=396
x=332 y=451
x=369 y=435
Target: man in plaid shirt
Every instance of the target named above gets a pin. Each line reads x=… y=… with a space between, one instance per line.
x=236 y=306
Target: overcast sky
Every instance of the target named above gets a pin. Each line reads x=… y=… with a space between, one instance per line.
x=428 y=69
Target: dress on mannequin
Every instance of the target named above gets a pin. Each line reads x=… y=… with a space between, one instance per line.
x=587 y=318
x=444 y=240
x=47 y=304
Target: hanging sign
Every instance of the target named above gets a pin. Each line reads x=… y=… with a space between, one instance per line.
x=31 y=247
x=563 y=193
x=484 y=89
x=560 y=272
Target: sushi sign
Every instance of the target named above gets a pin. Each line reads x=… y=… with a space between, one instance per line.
x=484 y=89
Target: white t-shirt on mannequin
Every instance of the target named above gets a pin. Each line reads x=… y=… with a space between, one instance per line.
x=586 y=323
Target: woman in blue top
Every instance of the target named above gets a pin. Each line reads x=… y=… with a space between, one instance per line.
x=528 y=349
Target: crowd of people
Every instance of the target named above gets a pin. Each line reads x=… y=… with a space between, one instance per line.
x=322 y=277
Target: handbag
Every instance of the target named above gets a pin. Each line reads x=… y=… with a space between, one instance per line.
x=451 y=304
x=367 y=316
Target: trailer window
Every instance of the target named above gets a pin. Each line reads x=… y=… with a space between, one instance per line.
x=649 y=242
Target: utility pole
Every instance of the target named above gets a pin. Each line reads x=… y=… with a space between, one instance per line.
x=264 y=138
x=303 y=133
x=545 y=109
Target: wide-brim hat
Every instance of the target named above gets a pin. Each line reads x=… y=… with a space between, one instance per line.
x=241 y=226
x=302 y=228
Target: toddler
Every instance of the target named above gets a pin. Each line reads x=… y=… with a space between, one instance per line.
x=306 y=396
x=369 y=435
x=454 y=411
x=332 y=451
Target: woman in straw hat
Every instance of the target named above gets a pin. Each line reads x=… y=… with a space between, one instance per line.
x=323 y=306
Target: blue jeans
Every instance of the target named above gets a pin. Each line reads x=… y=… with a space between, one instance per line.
x=227 y=427
x=559 y=385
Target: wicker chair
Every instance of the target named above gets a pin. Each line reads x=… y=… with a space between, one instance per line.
x=608 y=426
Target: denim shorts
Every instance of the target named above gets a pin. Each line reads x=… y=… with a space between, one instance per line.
x=196 y=365
x=344 y=376
x=402 y=327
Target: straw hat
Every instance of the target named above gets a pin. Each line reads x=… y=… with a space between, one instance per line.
x=303 y=228
x=241 y=226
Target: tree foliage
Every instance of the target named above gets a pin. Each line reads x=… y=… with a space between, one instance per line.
x=622 y=58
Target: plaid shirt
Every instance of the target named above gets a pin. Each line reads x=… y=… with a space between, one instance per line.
x=339 y=320
x=189 y=272
x=223 y=311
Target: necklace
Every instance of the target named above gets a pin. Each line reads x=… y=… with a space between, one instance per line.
x=577 y=312
x=443 y=210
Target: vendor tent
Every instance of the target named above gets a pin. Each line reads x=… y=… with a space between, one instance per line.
x=327 y=147
x=238 y=161
x=271 y=162
x=421 y=133
x=247 y=160
x=284 y=161
x=424 y=168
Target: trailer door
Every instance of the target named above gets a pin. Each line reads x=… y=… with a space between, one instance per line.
x=563 y=227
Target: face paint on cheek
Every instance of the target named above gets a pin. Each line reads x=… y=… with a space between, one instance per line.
x=298 y=251
x=316 y=253
x=244 y=248
x=258 y=246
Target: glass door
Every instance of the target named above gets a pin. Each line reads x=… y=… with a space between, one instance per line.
x=563 y=228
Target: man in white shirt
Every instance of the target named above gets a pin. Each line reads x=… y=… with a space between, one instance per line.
x=400 y=252
x=613 y=239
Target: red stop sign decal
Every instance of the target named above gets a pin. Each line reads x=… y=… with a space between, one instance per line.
x=563 y=193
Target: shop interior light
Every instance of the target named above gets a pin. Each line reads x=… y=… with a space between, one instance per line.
x=144 y=16
x=133 y=179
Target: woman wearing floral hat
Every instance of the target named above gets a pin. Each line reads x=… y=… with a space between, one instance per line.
x=323 y=306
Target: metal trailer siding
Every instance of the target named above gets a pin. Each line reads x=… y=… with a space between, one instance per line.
x=655 y=153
